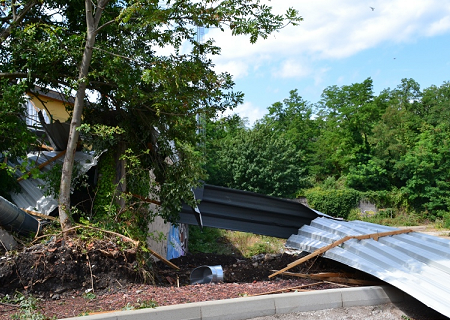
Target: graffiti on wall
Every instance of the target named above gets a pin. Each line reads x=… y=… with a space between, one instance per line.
x=177 y=241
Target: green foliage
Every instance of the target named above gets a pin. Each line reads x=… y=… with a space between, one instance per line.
x=444 y=220
x=336 y=203
x=105 y=205
x=142 y=100
x=293 y=119
x=141 y=305
x=425 y=169
x=397 y=219
x=347 y=115
x=372 y=175
x=8 y=184
x=393 y=198
x=28 y=306
x=212 y=240
x=15 y=138
x=208 y=240
x=89 y=295
x=258 y=160
x=52 y=179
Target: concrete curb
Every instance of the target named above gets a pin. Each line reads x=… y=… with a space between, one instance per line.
x=259 y=306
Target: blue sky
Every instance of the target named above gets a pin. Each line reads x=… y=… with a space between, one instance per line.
x=339 y=43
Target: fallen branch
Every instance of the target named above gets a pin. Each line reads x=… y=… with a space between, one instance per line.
x=92 y=276
x=298 y=288
x=374 y=236
x=125 y=238
x=318 y=276
x=334 y=278
x=10 y=305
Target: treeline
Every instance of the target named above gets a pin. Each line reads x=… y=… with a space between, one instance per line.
x=392 y=149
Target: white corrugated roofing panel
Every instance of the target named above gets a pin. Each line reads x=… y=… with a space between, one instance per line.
x=416 y=263
x=31 y=196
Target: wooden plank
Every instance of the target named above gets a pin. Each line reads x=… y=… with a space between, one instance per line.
x=319 y=276
x=374 y=236
x=335 y=277
x=163 y=259
x=42 y=165
x=39 y=215
x=298 y=288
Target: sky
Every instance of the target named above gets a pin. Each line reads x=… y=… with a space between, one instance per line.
x=338 y=43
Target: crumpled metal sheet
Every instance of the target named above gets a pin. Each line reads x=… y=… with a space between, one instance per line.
x=32 y=196
x=416 y=263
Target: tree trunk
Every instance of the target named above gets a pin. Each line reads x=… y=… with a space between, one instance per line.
x=92 y=21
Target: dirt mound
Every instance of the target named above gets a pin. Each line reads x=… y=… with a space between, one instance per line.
x=237 y=269
x=59 y=266
x=61 y=275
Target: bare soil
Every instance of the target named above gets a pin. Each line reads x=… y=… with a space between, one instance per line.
x=71 y=278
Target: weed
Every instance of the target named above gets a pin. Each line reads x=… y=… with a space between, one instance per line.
x=27 y=305
x=88 y=295
x=141 y=305
x=387 y=217
x=147 y=304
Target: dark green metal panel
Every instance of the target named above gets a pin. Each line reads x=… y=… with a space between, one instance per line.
x=239 y=210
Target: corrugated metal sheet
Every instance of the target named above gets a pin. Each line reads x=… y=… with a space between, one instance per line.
x=239 y=210
x=32 y=196
x=416 y=263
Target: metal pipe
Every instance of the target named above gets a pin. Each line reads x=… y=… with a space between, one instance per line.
x=14 y=219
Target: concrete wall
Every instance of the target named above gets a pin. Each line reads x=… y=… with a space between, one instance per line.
x=165 y=239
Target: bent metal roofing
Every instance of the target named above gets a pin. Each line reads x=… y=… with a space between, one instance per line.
x=416 y=263
x=32 y=196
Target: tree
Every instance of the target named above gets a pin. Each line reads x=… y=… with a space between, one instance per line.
x=218 y=134
x=109 y=47
x=260 y=160
x=294 y=119
x=346 y=117
x=425 y=171
x=15 y=139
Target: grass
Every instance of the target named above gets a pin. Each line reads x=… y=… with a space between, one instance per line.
x=388 y=217
x=220 y=241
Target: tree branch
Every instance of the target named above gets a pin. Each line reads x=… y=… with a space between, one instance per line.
x=105 y=25
x=17 y=18
x=13 y=75
x=115 y=54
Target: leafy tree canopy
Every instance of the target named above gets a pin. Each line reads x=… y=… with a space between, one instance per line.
x=113 y=50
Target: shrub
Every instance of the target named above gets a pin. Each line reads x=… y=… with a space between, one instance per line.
x=336 y=203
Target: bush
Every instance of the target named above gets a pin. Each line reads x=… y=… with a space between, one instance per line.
x=336 y=203
x=393 y=198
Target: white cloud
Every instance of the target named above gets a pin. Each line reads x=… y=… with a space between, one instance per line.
x=335 y=30
x=238 y=69
x=247 y=110
x=292 y=68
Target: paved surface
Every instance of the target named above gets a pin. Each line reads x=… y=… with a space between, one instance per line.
x=378 y=302
x=398 y=311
